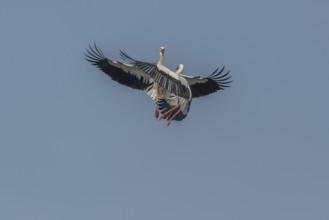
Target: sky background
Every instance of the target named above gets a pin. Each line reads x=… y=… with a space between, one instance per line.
x=76 y=145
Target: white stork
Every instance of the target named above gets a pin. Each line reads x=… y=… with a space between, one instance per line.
x=168 y=102
x=172 y=91
x=172 y=106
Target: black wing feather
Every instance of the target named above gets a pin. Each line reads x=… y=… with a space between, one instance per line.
x=96 y=57
x=158 y=76
x=215 y=82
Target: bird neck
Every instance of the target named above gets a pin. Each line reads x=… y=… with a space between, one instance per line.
x=180 y=69
x=161 y=59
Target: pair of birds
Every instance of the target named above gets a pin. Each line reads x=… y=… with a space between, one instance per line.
x=171 y=90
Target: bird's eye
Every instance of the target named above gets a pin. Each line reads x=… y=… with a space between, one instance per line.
x=177 y=68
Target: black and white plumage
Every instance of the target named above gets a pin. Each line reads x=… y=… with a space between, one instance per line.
x=205 y=86
x=122 y=73
x=172 y=91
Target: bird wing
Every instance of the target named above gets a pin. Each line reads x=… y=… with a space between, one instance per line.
x=124 y=74
x=161 y=75
x=205 y=86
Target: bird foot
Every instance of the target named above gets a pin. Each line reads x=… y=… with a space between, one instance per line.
x=157 y=112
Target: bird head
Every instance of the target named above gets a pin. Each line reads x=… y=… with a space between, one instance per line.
x=162 y=49
x=180 y=69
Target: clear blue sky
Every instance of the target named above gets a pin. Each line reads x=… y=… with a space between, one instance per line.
x=76 y=145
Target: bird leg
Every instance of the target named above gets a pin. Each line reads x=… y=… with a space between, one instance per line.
x=169 y=121
x=157 y=111
x=170 y=110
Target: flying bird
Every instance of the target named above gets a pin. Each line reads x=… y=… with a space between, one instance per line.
x=171 y=90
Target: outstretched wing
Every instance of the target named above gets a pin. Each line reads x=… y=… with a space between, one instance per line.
x=161 y=75
x=124 y=74
x=205 y=86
